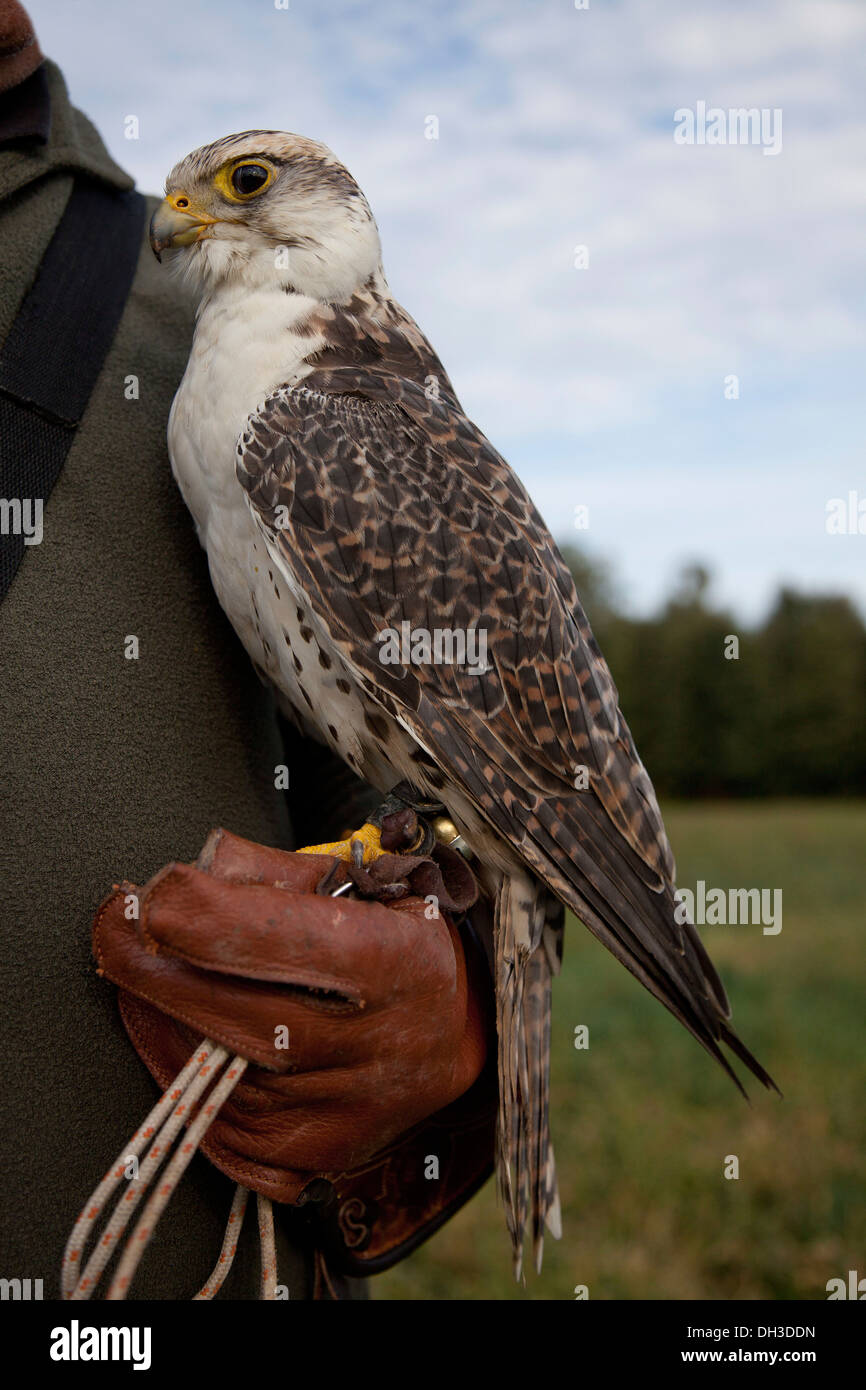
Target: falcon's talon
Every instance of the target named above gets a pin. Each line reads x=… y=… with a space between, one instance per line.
x=369 y=842
x=369 y=837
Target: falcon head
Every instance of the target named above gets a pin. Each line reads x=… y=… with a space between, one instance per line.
x=268 y=208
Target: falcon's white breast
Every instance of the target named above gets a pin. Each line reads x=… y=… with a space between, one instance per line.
x=244 y=348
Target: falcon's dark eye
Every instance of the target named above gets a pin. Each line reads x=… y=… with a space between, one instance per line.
x=249 y=178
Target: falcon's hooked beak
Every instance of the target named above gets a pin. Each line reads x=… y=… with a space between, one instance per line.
x=177 y=222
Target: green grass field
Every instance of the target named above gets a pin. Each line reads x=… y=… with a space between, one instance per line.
x=643 y=1120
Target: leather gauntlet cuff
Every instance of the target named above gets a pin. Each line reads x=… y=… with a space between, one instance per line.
x=374 y=1216
x=370 y=1219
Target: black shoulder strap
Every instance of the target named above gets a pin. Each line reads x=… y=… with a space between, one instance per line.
x=55 y=350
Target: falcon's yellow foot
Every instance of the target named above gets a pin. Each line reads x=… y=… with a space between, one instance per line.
x=369 y=837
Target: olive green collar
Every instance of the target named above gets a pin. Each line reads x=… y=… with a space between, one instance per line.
x=73 y=146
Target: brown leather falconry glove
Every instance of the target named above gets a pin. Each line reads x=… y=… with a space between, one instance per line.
x=367 y=1026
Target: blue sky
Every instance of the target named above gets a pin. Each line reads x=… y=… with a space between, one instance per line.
x=603 y=386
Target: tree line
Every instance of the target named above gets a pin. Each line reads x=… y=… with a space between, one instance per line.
x=779 y=711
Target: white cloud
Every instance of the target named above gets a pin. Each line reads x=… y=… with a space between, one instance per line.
x=556 y=128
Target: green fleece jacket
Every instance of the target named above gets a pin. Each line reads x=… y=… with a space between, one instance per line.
x=110 y=767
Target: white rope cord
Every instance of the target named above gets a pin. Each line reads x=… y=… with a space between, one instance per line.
x=229 y=1248
x=159 y=1151
x=268 y=1248
x=158 y=1200
x=173 y=1097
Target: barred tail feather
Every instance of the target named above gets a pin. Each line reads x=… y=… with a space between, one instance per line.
x=528 y=934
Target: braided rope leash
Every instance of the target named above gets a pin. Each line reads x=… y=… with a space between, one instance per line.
x=158 y=1200
x=268 y=1248
x=171 y=1101
x=209 y=1065
x=229 y=1246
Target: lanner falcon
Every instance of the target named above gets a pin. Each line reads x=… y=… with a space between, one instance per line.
x=342 y=494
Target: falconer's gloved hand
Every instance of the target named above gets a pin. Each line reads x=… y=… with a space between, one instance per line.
x=367 y=1027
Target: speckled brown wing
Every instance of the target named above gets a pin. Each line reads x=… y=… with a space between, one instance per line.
x=397 y=509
